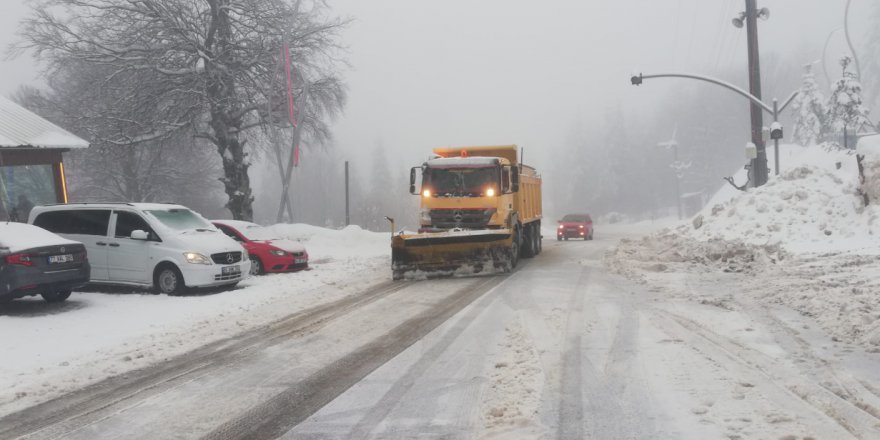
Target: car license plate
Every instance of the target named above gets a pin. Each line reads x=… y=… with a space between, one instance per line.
x=299 y=260
x=60 y=259
x=229 y=270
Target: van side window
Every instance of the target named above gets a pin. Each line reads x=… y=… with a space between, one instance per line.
x=81 y=221
x=128 y=222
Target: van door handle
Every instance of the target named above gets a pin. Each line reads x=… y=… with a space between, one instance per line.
x=114 y=244
x=101 y=243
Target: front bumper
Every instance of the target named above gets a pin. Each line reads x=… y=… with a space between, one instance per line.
x=198 y=275
x=21 y=281
x=288 y=263
x=569 y=233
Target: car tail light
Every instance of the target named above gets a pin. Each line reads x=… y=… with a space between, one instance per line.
x=19 y=259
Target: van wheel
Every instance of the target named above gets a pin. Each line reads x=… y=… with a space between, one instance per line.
x=168 y=280
x=256 y=266
x=56 y=297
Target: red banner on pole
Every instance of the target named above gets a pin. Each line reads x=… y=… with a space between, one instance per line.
x=290 y=108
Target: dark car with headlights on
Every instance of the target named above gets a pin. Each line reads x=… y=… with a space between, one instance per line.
x=575 y=226
x=34 y=261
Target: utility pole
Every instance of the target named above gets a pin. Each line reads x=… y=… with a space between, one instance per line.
x=759 y=164
x=347 y=218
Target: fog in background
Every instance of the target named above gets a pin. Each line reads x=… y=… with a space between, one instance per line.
x=552 y=77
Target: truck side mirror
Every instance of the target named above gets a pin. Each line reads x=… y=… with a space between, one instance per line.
x=412 y=180
x=514 y=178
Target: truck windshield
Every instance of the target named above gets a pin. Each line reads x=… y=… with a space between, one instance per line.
x=473 y=181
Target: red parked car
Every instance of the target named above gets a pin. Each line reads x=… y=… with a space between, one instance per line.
x=267 y=252
x=575 y=226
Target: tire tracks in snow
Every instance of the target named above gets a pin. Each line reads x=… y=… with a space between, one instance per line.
x=96 y=402
x=275 y=416
x=773 y=380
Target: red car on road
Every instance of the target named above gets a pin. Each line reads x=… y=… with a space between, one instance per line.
x=267 y=252
x=575 y=226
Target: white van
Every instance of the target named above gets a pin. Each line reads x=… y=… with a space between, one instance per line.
x=165 y=246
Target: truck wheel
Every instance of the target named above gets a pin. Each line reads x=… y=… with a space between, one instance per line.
x=528 y=246
x=55 y=297
x=538 y=241
x=514 y=250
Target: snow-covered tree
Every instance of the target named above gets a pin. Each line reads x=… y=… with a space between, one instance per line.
x=211 y=67
x=845 y=109
x=809 y=111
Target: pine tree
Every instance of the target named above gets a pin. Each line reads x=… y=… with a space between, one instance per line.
x=845 y=109
x=810 y=111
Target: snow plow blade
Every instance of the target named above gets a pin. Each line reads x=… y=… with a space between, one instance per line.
x=440 y=254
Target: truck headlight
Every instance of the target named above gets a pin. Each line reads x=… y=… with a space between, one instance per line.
x=196 y=258
x=490 y=192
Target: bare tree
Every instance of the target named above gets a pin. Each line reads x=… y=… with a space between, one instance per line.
x=207 y=66
x=148 y=171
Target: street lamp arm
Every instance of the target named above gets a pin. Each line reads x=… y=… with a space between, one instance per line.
x=638 y=79
x=788 y=101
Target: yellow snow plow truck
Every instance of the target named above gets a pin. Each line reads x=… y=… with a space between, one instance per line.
x=480 y=212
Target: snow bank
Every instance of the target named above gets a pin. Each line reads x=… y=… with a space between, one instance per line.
x=812 y=206
x=803 y=240
x=869 y=147
x=349 y=242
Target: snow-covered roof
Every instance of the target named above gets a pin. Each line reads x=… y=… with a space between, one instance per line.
x=462 y=162
x=19 y=127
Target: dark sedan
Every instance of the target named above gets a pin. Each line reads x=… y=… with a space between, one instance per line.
x=34 y=261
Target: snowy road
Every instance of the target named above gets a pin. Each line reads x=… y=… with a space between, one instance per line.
x=559 y=349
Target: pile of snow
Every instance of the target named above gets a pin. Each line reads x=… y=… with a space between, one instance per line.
x=804 y=240
x=322 y=243
x=869 y=147
x=812 y=206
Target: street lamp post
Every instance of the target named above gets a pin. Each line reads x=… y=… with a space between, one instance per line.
x=775 y=128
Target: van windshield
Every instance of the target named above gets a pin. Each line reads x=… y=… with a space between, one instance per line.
x=180 y=219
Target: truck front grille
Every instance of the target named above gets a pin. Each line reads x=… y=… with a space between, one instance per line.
x=461 y=218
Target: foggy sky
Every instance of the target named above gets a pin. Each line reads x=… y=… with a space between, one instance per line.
x=464 y=72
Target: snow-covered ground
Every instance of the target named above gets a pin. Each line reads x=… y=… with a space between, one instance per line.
x=49 y=349
x=805 y=239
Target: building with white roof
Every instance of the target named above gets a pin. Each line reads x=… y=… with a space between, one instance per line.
x=31 y=161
